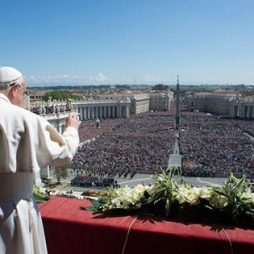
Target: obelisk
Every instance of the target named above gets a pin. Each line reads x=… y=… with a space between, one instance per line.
x=177 y=117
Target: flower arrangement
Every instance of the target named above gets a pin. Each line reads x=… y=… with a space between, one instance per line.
x=170 y=197
x=38 y=195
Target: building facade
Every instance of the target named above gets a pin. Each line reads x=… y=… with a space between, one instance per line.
x=242 y=108
x=233 y=106
x=139 y=104
x=161 y=101
x=103 y=109
x=208 y=102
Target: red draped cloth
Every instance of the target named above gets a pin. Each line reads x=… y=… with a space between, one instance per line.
x=69 y=229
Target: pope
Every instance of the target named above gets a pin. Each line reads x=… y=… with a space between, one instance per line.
x=27 y=143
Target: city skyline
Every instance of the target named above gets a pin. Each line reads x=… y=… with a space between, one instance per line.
x=129 y=41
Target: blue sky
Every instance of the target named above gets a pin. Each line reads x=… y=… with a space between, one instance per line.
x=129 y=41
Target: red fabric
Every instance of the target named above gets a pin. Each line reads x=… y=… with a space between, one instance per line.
x=70 y=229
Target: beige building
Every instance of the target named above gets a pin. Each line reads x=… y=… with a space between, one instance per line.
x=161 y=101
x=145 y=102
x=139 y=104
x=216 y=103
x=37 y=95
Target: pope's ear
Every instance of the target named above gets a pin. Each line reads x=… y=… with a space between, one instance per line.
x=13 y=89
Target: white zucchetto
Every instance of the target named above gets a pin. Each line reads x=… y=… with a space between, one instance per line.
x=9 y=75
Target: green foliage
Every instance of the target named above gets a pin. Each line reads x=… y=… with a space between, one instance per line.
x=160 y=87
x=232 y=203
x=60 y=95
x=96 y=205
x=38 y=195
x=166 y=188
x=239 y=198
x=195 y=89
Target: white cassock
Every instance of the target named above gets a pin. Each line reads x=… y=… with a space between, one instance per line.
x=27 y=144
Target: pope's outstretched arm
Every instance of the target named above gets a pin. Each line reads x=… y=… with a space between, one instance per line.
x=56 y=149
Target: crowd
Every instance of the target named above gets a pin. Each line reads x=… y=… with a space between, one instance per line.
x=90 y=129
x=93 y=181
x=213 y=146
x=141 y=144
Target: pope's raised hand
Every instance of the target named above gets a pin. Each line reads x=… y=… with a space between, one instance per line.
x=73 y=120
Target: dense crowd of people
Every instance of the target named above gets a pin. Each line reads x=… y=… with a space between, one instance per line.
x=93 y=181
x=141 y=144
x=211 y=146
x=90 y=129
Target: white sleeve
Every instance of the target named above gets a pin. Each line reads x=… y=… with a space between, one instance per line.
x=53 y=148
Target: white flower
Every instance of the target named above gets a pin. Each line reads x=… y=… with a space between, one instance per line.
x=188 y=194
x=193 y=195
x=182 y=194
x=248 y=195
x=127 y=197
x=206 y=193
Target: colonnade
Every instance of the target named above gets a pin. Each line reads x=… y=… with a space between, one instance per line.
x=89 y=112
x=243 y=111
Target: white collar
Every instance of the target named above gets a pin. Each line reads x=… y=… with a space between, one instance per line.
x=4 y=98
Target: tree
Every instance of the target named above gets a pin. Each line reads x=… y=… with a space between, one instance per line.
x=60 y=95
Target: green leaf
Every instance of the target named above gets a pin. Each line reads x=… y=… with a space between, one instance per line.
x=167 y=207
x=40 y=198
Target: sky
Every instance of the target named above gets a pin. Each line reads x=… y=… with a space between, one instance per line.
x=129 y=41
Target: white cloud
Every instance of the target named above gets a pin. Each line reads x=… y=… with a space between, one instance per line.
x=99 y=78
